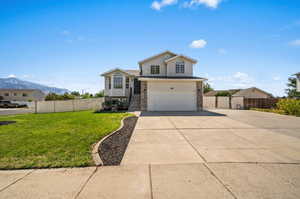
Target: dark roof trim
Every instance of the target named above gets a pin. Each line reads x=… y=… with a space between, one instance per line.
x=173 y=77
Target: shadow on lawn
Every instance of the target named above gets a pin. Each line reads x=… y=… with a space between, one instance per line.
x=6 y=122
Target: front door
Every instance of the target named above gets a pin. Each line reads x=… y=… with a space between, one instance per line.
x=137 y=86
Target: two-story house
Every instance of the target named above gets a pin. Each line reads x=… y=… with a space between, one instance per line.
x=164 y=82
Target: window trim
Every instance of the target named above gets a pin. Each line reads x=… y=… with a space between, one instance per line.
x=119 y=84
x=127 y=82
x=109 y=82
x=155 y=69
x=180 y=67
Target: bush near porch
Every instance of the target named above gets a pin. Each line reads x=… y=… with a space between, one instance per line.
x=53 y=139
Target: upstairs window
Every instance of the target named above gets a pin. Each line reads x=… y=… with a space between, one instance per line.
x=24 y=95
x=118 y=82
x=127 y=82
x=179 y=67
x=155 y=69
x=6 y=94
x=15 y=94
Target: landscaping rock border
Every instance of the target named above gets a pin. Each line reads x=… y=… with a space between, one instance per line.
x=110 y=149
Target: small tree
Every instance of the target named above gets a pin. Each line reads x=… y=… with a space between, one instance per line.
x=291 y=91
x=224 y=93
x=51 y=96
x=99 y=94
x=67 y=96
x=207 y=88
x=54 y=96
x=75 y=93
x=86 y=96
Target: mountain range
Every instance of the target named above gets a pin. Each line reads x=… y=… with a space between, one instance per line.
x=14 y=83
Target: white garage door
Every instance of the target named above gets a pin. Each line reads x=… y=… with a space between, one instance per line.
x=172 y=96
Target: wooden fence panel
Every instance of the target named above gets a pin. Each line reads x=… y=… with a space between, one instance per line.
x=260 y=102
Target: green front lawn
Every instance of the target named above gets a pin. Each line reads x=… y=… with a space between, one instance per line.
x=54 y=139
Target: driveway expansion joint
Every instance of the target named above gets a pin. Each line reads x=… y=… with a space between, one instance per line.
x=16 y=181
x=151 y=184
x=86 y=182
x=220 y=181
x=185 y=138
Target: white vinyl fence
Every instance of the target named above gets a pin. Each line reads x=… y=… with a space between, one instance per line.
x=209 y=102
x=66 y=105
x=237 y=102
x=212 y=102
x=223 y=102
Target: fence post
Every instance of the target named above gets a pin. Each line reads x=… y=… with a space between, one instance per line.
x=35 y=106
x=73 y=104
x=54 y=106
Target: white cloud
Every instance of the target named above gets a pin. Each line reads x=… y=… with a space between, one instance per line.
x=290 y=26
x=198 y=44
x=241 y=80
x=208 y=3
x=242 y=77
x=295 y=42
x=222 y=51
x=65 y=32
x=276 y=78
x=156 y=5
x=11 y=76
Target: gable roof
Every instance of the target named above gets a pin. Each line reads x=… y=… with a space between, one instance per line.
x=181 y=56
x=128 y=72
x=133 y=72
x=157 y=55
x=243 y=92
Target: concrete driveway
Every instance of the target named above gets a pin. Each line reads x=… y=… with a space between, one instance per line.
x=221 y=154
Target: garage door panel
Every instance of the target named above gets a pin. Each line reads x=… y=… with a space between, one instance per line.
x=172 y=96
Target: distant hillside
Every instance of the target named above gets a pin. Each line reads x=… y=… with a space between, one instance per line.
x=14 y=83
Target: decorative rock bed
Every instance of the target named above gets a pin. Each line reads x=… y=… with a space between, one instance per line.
x=6 y=122
x=113 y=147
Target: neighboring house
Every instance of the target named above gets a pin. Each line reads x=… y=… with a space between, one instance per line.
x=252 y=92
x=22 y=95
x=215 y=92
x=164 y=82
x=298 y=81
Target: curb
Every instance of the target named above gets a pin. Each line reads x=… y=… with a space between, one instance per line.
x=96 y=156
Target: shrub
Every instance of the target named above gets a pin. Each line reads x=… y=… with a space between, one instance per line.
x=54 y=96
x=278 y=111
x=99 y=94
x=223 y=94
x=289 y=106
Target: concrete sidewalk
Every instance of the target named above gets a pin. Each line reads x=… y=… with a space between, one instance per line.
x=178 y=156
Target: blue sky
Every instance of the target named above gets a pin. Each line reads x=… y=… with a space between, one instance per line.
x=68 y=43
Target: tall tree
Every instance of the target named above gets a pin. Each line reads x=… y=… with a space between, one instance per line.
x=207 y=88
x=291 y=91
